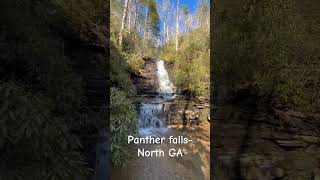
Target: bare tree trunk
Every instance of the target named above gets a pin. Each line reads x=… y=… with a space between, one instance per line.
x=129 y=23
x=185 y=26
x=164 y=31
x=135 y=16
x=168 y=36
x=123 y=22
x=177 y=27
x=188 y=23
x=130 y=5
x=158 y=42
x=145 y=27
x=165 y=14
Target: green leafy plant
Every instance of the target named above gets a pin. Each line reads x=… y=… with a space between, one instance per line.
x=268 y=49
x=35 y=144
x=124 y=122
x=191 y=63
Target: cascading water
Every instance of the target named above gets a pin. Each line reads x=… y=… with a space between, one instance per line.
x=165 y=85
x=151 y=119
x=152 y=116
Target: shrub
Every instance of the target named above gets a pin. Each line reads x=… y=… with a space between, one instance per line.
x=191 y=63
x=266 y=45
x=35 y=144
x=123 y=123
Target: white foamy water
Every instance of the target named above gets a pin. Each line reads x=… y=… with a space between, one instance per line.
x=153 y=115
x=165 y=85
x=151 y=119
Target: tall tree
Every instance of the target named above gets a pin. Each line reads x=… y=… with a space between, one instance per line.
x=145 y=32
x=152 y=20
x=203 y=13
x=177 y=26
x=130 y=8
x=165 y=14
x=186 y=14
x=123 y=22
x=135 y=14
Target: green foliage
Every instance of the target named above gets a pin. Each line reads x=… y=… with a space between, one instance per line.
x=123 y=112
x=135 y=62
x=168 y=53
x=185 y=10
x=82 y=17
x=278 y=23
x=123 y=123
x=153 y=22
x=35 y=57
x=133 y=42
x=191 y=63
x=42 y=99
x=120 y=76
x=233 y=57
x=134 y=51
x=35 y=143
x=267 y=46
x=124 y=61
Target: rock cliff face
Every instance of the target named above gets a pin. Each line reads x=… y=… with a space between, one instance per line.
x=145 y=80
x=89 y=62
x=254 y=141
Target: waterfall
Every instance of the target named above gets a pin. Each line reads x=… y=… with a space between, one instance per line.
x=166 y=88
x=153 y=115
x=151 y=119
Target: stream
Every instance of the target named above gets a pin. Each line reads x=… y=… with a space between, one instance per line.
x=154 y=121
x=152 y=114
